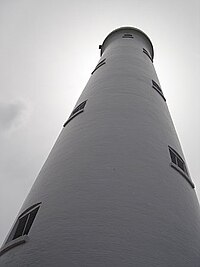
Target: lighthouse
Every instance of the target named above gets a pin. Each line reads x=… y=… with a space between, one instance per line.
x=115 y=189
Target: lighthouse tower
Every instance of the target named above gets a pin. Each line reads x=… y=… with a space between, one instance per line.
x=115 y=190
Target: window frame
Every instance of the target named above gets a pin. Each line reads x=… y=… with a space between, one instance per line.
x=174 y=156
x=14 y=240
x=100 y=64
x=148 y=55
x=77 y=110
x=128 y=36
x=157 y=88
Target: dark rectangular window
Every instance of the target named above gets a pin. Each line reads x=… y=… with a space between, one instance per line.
x=127 y=35
x=158 y=89
x=24 y=222
x=156 y=86
x=147 y=53
x=179 y=165
x=101 y=63
x=173 y=156
x=176 y=159
x=20 y=227
x=30 y=220
x=76 y=111
x=78 y=108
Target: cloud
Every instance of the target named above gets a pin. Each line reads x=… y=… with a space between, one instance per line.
x=12 y=115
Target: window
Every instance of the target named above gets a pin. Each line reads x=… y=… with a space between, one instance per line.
x=158 y=89
x=20 y=230
x=101 y=63
x=76 y=111
x=177 y=160
x=147 y=53
x=127 y=35
x=24 y=222
x=178 y=163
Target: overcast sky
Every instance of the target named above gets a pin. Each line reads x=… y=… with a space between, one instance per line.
x=48 y=49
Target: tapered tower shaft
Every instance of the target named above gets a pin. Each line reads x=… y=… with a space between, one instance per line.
x=115 y=189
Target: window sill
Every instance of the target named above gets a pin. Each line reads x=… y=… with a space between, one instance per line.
x=70 y=118
x=98 y=66
x=182 y=173
x=147 y=54
x=159 y=92
x=13 y=243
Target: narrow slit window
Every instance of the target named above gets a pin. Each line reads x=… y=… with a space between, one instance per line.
x=76 y=111
x=178 y=163
x=147 y=53
x=24 y=223
x=158 y=89
x=101 y=63
x=128 y=35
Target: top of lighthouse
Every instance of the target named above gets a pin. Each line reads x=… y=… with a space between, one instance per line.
x=127 y=32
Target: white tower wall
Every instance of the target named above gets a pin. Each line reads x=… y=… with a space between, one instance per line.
x=109 y=193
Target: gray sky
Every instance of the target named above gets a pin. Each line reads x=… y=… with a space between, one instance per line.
x=48 y=49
